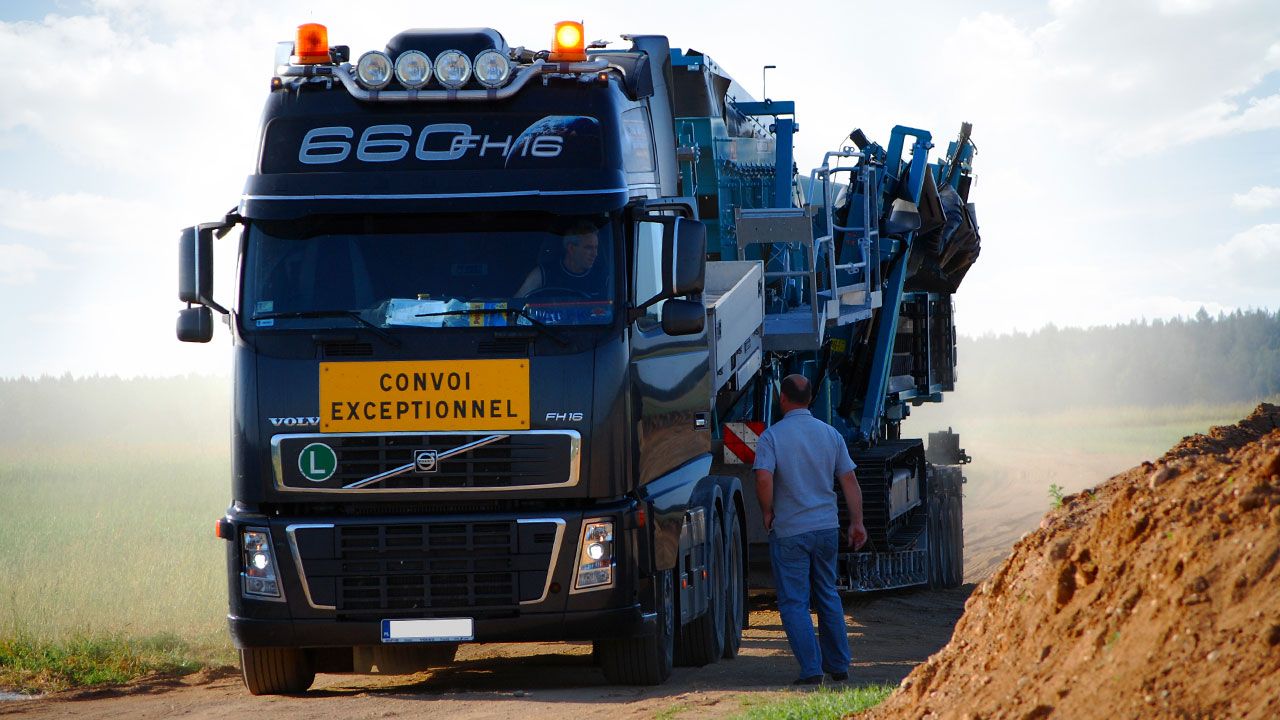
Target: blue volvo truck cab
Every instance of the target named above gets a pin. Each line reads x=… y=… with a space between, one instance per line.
x=472 y=393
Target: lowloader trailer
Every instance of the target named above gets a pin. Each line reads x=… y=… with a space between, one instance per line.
x=496 y=316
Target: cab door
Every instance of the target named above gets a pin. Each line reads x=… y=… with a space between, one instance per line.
x=670 y=373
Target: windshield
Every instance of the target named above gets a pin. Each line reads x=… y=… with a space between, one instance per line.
x=431 y=271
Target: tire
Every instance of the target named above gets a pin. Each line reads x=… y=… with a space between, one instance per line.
x=643 y=660
x=735 y=616
x=945 y=528
x=276 y=670
x=702 y=640
x=957 y=532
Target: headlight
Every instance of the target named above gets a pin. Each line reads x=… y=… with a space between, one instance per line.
x=413 y=69
x=595 y=556
x=492 y=69
x=453 y=69
x=259 y=576
x=373 y=70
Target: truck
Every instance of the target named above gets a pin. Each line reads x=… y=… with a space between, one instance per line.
x=505 y=324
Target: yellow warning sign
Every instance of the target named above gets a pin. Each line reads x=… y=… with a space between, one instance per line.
x=426 y=395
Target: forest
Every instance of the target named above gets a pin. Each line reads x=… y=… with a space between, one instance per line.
x=1201 y=360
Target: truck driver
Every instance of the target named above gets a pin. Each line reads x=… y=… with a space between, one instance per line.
x=574 y=270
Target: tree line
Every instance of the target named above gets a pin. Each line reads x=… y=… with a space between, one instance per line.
x=1203 y=359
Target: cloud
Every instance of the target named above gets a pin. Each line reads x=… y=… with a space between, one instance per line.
x=1184 y=7
x=1129 y=78
x=1259 y=197
x=1251 y=257
x=21 y=264
x=79 y=222
x=153 y=101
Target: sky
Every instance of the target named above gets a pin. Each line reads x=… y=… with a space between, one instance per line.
x=1128 y=159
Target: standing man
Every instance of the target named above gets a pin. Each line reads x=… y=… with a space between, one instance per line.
x=797 y=460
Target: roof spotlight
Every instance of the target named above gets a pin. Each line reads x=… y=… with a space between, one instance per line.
x=453 y=69
x=373 y=70
x=413 y=69
x=492 y=69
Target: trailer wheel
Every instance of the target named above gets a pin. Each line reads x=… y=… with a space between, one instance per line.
x=702 y=640
x=735 y=616
x=946 y=528
x=643 y=660
x=276 y=670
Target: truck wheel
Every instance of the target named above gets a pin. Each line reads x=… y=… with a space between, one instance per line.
x=946 y=529
x=276 y=670
x=702 y=640
x=643 y=660
x=957 y=531
x=735 y=616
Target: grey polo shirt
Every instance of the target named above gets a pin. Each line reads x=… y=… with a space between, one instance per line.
x=805 y=456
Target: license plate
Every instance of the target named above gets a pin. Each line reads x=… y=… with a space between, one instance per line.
x=425 y=395
x=428 y=630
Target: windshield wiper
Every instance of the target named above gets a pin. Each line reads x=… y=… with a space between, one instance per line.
x=521 y=310
x=353 y=314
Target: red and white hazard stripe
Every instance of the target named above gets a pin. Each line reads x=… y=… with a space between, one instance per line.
x=740 y=440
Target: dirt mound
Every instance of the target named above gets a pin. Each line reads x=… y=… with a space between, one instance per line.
x=1155 y=595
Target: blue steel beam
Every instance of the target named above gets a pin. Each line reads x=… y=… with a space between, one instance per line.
x=891 y=301
x=783 y=130
x=768 y=107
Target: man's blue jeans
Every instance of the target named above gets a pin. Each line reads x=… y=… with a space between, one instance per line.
x=804 y=568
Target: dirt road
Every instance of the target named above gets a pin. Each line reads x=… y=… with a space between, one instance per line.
x=890 y=634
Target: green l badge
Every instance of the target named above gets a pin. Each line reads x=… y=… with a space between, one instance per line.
x=317 y=462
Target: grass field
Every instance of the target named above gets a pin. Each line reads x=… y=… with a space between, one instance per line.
x=107 y=548
x=1129 y=431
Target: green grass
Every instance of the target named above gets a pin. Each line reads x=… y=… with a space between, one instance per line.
x=824 y=703
x=672 y=712
x=109 y=562
x=1055 y=496
x=1102 y=431
x=33 y=666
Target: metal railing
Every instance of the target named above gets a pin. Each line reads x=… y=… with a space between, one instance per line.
x=867 y=237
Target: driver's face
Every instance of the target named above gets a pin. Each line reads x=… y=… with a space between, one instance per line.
x=581 y=253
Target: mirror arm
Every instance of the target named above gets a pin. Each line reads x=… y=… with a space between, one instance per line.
x=219 y=231
x=638 y=311
x=230 y=220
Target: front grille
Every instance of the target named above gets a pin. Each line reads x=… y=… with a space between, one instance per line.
x=425 y=570
x=518 y=459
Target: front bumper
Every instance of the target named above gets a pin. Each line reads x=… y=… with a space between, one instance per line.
x=327 y=585
x=588 y=625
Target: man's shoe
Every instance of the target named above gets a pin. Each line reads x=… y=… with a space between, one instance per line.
x=813 y=680
x=840 y=677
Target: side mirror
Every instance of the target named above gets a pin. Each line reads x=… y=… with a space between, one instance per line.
x=195 y=324
x=686 y=246
x=195 y=266
x=195 y=261
x=670 y=260
x=683 y=317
